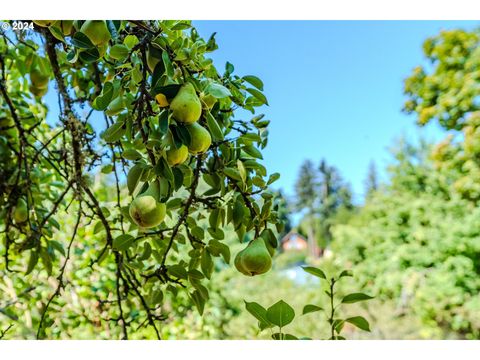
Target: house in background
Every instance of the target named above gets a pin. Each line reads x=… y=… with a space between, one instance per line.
x=294 y=241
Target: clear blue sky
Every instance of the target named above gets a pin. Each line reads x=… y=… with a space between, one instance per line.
x=334 y=88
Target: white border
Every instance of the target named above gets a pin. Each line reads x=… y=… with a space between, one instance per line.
x=244 y=350
x=243 y=9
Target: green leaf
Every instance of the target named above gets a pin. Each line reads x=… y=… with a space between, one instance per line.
x=46 y=260
x=206 y=263
x=311 y=308
x=199 y=301
x=131 y=154
x=89 y=55
x=114 y=132
x=238 y=213
x=281 y=336
x=216 y=247
x=134 y=176
x=258 y=95
x=228 y=69
x=32 y=261
x=119 y=52
x=218 y=91
x=163 y=122
x=123 y=242
x=345 y=273
x=216 y=233
x=81 y=41
x=255 y=81
x=355 y=297
x=242 y=171
x=314 y=271
x=168 y=64
x=232 y=173
x=107 y=169
x=98 y=227
x=259 y=312
x=280 y=314
x=274 y=177
x=359 y=322
x=178 y=271
x=130 y=41
x=215 y=130
x=181 y=25
x=251 y=137
x=102 y=101
x=57 y=246
x=253 y=151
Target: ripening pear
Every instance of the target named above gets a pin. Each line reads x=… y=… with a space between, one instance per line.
x=239 y=265
x=186 y=107
x=38 y=78
x=177 y=156
x=146 y=211
x=208 y=100
x=254 y=259
x=96 y=31
x=20 y=214
x=38 y=92
x=43 y=23
x=269 y=247
x=161 y=100
x=200 y=139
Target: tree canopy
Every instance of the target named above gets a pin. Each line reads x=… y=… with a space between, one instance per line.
x=150 y=189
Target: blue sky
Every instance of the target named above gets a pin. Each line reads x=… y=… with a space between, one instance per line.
x=334 y=88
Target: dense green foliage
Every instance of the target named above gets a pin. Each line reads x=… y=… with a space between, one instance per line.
x=416 y=240
x=180 y=168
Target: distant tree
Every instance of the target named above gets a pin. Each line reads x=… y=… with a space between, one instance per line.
x=323 y=193
x=306 y=189
x=335 y=194
x=283 y=208
x=371 y=182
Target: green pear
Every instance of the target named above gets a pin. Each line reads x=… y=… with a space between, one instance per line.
x=208 y=100
x=254 y=259
x=146 y=211
x=38 y=92
x=239 y=265
x=20 y=213
x=161 y=100
x=38 y=78
x=96 y=31
x=186 y=107
x=200 y=139
x=43 y=23
x=177 y=156
x=269 y=247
